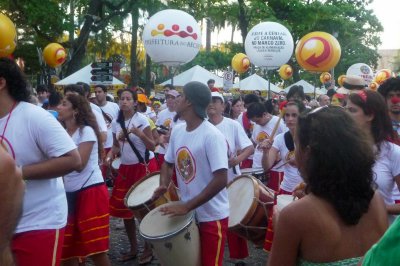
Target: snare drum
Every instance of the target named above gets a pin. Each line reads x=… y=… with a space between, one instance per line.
x=256 y=172
x=138 y=198
x=175 y=240
x=250 y=202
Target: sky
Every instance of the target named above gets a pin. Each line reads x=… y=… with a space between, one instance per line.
x=387 y=12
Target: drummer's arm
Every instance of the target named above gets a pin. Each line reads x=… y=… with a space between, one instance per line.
x=244 y=154
x=114 y=149
x=216 y=185
x=269 y=157
x=167 y=170
x=54 y=167
x=394 y=208
x=11 y=195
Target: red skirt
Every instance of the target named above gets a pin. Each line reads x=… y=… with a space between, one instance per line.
x=87 y=230
x=128 y=175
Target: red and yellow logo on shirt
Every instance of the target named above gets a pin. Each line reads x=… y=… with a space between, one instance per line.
x=167 y=123
x=186 y=166
x=262 y=136
x=290 y=158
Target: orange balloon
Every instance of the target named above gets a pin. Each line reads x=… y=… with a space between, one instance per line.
x=340 y=80
x=325 y=77
x=240 y=63
x=285 y=71
x=318 y=51
x=373 y=86
x=54 y=54
x=382 y=75
x=8 y=36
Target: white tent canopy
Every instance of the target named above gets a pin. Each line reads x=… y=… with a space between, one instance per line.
x=307 y=87
x=196 y=73
x=83 y=75
x=255 y=82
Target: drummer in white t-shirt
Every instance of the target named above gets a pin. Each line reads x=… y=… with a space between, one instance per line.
x=199 y=152
x=236 y=139
x=265 y=124
x=45 y=152
x=282 y=147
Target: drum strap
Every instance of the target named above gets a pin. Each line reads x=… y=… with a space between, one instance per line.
x=137 y=153
x=289 y=141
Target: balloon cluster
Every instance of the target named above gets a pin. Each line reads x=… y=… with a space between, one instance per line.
x=285 y=71
x=240 y=63
x=8 y=36
x=54 y=54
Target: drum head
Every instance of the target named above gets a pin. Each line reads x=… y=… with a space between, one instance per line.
x=241 y=197
x=155 y=225
x=116 y=163
x=143 y=191
x=249 y=171
x=282 y=201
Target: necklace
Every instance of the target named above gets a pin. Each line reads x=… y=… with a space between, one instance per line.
x=8 y=119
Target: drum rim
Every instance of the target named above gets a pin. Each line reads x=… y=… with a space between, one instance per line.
x=116 y=158
x=258 y=170
x=250 y=212
x=133 y=188
x=174 y=233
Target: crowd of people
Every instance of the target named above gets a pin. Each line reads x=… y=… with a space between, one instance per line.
x=337 y=154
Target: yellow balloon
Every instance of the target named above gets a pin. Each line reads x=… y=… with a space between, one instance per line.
x=318 y=51
x=54 y=54
x=8 y=36
x=373 y=86
x=382 y=75
x=286 y=71
x=340 y=80
x=240 y=63
x=325 y=77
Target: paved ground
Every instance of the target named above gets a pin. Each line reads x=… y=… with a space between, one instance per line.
x=119 y=242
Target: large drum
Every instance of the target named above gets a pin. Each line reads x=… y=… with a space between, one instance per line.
x=138 y=198
x=250 y=202
x=175 y=240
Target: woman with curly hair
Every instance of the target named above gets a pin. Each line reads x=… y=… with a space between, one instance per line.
x=342 y=216
x=369 y=110
x=87 y=231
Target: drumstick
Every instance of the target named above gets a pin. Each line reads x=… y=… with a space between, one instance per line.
x=277 y=124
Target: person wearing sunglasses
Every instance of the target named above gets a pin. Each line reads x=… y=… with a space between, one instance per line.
x=341 y=216
x=369 y=110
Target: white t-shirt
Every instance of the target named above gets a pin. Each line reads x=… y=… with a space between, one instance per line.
x=196 y=155
x=32 y=136
x=75 y=181
x=165 y=118
x=128 y=156
x=111 y=110
x=101 y=122
x=291 y=176
x=236 y=140
x=261 y=133
x=386 y=167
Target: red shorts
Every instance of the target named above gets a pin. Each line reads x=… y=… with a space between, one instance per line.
x=275 y=179
x=397 y=201
x=213 y=238
x=39 y=247
x=128 y=175
x=87 y=232
x=237 y=245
